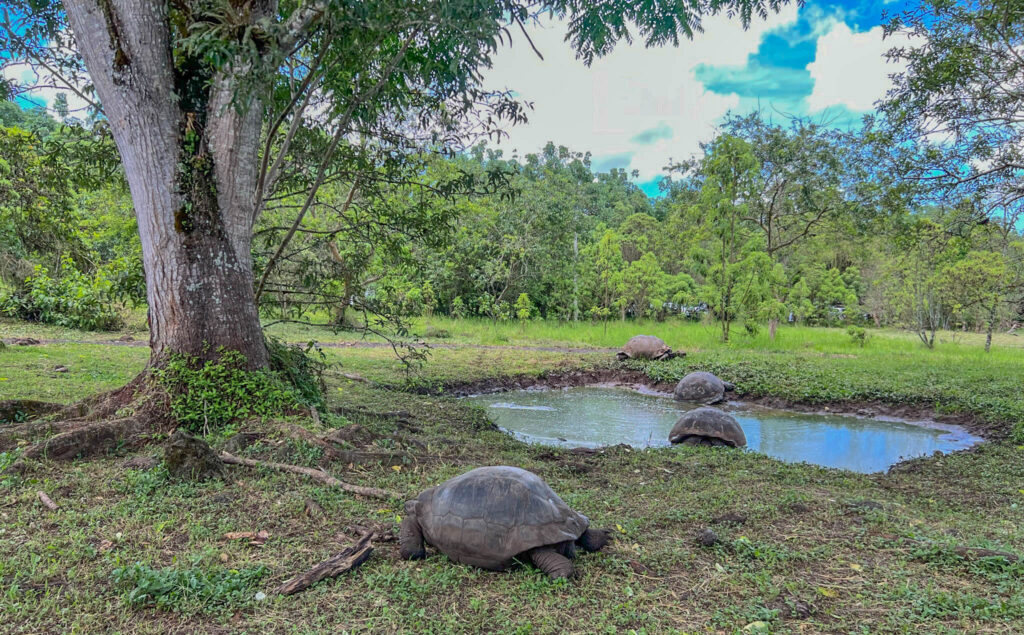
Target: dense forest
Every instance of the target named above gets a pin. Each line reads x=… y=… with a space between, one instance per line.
x=778 y=222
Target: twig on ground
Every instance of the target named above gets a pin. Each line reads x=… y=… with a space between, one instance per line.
x=46 y=500
x=347 y=560
x=313 y=473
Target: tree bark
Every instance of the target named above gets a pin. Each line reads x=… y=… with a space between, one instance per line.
x=189 y=148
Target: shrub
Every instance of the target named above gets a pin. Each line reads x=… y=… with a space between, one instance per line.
x=858 y=335
x=72 y=299
x=209 y=395
x=301 y=366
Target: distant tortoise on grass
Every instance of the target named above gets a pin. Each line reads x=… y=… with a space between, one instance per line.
x=701 y=387
x=492 y=516
x=708 y=426
x=647 y=347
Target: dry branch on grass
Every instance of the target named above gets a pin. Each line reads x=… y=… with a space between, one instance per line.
x=347 y=560
x=46 y=500
x=313 y=473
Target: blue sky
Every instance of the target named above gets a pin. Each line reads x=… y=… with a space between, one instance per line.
x=642 y=108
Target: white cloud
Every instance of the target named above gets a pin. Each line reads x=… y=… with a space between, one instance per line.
x=602 y=108
x=41 y=86
x=850 y=69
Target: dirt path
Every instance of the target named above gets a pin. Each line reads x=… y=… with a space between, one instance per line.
x=359 y=344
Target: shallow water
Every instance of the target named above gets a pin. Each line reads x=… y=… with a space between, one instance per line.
x=593 y=416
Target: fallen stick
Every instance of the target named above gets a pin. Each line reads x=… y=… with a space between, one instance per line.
x=963 y=552
x=347 y=560
x=313 y=473
x=46 y=500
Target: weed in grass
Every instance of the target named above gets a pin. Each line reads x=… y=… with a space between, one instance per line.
x=187 y=590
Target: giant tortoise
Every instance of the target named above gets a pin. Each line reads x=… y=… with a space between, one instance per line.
x=708 y=426
x=701 y=387
x=647 y=347
x=492 y=516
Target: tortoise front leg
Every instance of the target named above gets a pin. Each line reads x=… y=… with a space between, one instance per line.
x=548 y=560
x=410 y=540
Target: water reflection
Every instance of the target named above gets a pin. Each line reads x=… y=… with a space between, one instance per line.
x=593 y=416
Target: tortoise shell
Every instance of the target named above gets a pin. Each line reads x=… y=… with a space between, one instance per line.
x=488 y=516
x=708 y=425
x=700 y=387
x=645 y=347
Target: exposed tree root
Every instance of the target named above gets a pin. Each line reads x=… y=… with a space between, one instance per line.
x=128 y=415
x=315 y=474
x=22 y=409
x=298 y=433
x=91 y=438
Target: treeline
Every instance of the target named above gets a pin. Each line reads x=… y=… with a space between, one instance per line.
x=775 y=223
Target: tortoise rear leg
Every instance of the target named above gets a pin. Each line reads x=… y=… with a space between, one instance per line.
x=548 y=560
x=410 y=540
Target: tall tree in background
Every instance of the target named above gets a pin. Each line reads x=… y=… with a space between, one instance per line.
x=957 y=117
x=730 y=175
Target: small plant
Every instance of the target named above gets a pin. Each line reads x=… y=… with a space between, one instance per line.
x=523 y=307
x=858 y=335
x=180 y=589
x=209 y=395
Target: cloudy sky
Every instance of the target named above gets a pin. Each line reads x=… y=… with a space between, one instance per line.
x=639 y=108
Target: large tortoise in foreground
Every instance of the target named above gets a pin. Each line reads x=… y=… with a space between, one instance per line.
x=701 y=387
x=647 y=347
x=492 y=516
x=708 y=426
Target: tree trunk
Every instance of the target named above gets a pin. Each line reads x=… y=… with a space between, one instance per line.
x=988 y=328
x=188 y=142
x=773 y=325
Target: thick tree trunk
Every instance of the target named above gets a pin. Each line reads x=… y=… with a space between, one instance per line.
x=189 y=153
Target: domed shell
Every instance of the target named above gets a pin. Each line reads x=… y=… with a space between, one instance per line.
x=708 y=423
x=700 y=387
x=645 y=347
x=488 y=516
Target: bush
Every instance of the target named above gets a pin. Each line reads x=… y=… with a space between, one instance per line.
x=858 y=335
x=72 y=299
x=209 y=395
x=301 y=366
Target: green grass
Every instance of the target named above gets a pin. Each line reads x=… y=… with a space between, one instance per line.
x=809 y=555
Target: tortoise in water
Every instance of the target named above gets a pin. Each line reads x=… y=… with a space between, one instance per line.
x=491 y=516
x=708 y=426
x=647 y=347
x=701 y=387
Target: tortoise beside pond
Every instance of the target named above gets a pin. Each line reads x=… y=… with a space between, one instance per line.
x=492 y=516
x=647 y=347
x=708 y=426
x=701 y=387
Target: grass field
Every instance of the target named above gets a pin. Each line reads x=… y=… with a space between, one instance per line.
x=802 y=549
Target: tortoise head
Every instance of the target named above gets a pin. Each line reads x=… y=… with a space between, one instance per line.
x=594 y=539
x=622 y=356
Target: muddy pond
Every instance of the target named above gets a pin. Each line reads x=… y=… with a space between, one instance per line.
x=593 y=416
